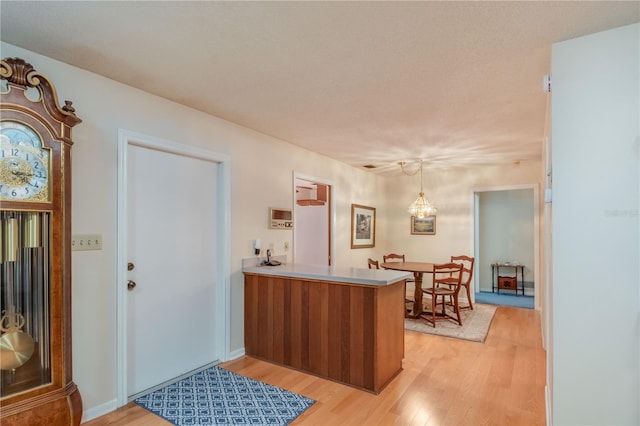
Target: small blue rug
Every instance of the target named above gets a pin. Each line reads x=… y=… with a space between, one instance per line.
x=505 y=299
x=216 y=396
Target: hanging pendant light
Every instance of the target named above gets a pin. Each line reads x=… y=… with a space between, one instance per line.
x=421 y=207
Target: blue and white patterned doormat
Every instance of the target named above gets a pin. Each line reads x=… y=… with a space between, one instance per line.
x=216 y=396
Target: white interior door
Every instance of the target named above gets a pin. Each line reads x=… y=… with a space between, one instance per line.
x=171 y=225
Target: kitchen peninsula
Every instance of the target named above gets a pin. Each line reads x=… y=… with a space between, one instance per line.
x=344 y=324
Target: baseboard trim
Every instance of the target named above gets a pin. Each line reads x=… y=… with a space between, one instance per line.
x=100 y=410
x=547 y=404
x=238 y=353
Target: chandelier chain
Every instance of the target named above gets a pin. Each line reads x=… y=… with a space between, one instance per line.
x=421 y=207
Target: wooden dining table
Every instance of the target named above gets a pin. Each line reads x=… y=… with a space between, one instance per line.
x=418 y=269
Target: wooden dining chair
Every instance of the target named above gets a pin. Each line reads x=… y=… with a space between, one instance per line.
x=447 y=279
x=467 y=276
x=373 y=264
x=394 y=257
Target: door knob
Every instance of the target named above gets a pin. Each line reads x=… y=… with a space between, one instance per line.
x=131 y=285
x=130 y=266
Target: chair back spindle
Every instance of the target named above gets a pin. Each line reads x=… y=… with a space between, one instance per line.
x=467 y=276
x=447 y=281
x=373 y=264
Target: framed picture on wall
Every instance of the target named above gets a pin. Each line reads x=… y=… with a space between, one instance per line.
x=424 y=226
x=363 y=226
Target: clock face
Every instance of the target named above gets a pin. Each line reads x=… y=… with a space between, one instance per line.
x=24 y=164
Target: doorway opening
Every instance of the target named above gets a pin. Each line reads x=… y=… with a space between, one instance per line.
x=134 y=169
x=313 y=224
x=506 y=245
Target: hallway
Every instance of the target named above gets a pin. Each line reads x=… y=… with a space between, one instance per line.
x=444 y=381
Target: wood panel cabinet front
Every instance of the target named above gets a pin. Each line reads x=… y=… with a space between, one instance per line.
x=353 y=334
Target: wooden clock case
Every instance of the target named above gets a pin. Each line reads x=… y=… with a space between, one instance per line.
x=38 y=392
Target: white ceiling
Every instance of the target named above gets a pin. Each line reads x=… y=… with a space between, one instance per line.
x=454 y=83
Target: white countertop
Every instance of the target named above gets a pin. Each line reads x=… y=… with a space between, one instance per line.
x=345 y=274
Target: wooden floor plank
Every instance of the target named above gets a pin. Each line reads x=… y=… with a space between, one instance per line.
x=444 y=381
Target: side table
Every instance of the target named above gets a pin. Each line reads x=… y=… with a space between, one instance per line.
x=507 y=282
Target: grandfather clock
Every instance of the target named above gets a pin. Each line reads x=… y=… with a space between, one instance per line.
x=36 y=385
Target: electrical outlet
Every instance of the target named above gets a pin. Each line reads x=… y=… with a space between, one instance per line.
x=286 y=246
x=86 y=242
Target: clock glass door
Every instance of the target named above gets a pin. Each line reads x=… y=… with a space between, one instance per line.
x=24 y=301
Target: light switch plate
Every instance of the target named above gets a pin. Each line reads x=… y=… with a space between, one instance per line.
x=86 y=242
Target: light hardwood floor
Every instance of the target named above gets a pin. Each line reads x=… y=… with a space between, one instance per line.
x=444 y=381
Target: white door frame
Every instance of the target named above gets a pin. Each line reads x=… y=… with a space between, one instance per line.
x=223 y=226
x=475 y=229
x=332 y=212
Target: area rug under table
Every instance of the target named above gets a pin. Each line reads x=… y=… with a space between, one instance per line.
x=475 y=324
x=217 y=396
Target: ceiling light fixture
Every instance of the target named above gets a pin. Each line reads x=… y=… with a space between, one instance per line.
x=421 y=207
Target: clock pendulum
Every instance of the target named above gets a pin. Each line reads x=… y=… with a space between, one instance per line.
x=22 y=291
x=16 y=347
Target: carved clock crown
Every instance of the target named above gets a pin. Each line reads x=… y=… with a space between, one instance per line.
x=20 y=73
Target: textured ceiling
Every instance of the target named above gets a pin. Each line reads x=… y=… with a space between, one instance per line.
x=454 y=83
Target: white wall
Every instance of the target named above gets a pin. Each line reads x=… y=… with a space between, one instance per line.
x=452 y=192
x=261 y=176
x=596 y=297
